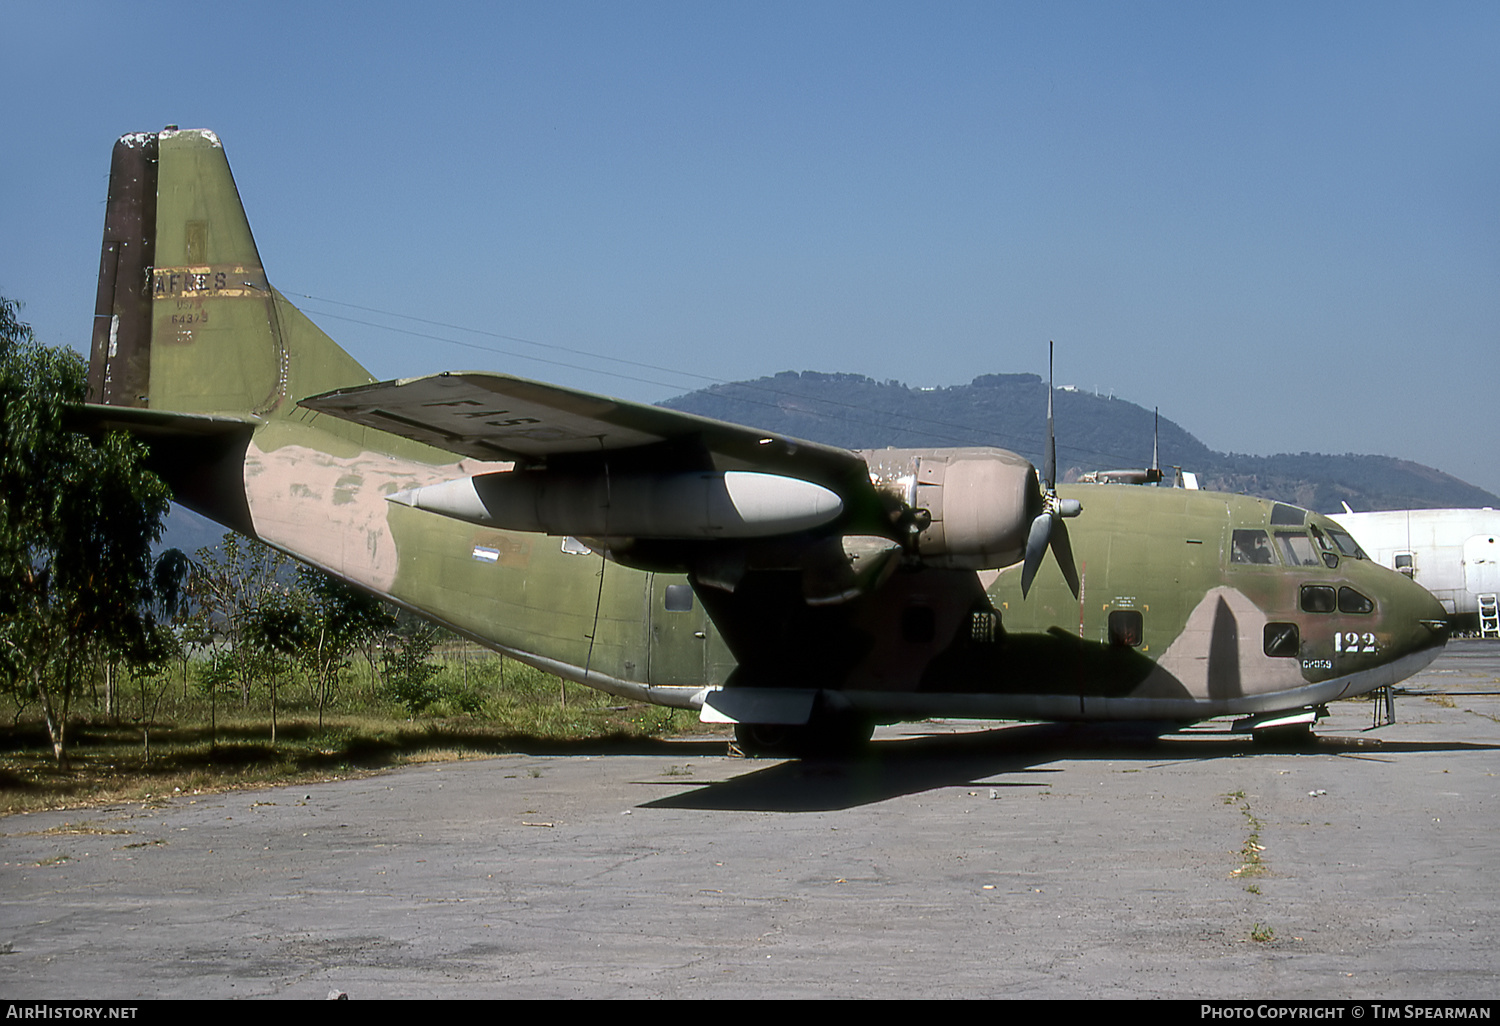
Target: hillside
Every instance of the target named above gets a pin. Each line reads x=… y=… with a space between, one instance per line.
x=1093 y=433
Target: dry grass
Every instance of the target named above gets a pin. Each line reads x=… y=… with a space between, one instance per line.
x=109 y=760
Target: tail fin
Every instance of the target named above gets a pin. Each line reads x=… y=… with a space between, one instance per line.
x=186 y=321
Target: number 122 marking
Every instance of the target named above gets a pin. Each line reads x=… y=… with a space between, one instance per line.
x=1353 y=641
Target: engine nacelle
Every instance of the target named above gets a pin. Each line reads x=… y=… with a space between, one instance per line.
x=981 y=502
x=734 y=504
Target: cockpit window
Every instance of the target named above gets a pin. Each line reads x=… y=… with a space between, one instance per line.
x=1351 y=601
x=1296 y=549
x=1283 y=515
x=1251 y=547
x=1317 y=598
x=1346 y=544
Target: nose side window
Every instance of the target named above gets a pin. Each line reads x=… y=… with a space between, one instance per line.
x=1318 y=598
x=1282 y=640
x=1351 y=601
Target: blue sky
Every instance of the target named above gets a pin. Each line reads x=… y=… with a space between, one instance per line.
x=1278 y=222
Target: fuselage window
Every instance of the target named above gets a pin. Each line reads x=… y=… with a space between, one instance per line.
x=1351 y=601
x=1126 y=628
x=1318 y=598
x=1251 y=547
x=1297 y=550
x=679 y=598
x=1282 y=640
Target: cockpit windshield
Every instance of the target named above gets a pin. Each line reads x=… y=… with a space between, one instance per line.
x=1297 y=549
x=1346 y=544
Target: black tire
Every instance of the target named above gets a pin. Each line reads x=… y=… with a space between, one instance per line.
x=769 y=740
x=825 y=737
x=1294 y=738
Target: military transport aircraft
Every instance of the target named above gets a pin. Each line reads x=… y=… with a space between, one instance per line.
x=802 y=591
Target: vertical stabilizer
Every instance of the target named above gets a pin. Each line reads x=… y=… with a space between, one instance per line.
x=186 y=320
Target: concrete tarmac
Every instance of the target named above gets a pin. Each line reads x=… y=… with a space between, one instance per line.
x=955 y=861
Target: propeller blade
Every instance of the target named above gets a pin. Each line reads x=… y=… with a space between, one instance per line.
x=1048 y=530
x=1050 y=478
x=1036 y=548
x=1062 y=549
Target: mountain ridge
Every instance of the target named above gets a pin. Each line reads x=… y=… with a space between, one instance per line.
x=1093 y=433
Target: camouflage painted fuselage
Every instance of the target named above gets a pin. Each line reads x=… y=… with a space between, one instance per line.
x=194 y=351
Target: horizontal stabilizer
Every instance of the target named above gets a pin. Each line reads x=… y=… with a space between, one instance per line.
x=96 y=418
x=201 y=456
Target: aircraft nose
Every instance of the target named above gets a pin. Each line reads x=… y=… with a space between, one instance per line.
x=1416 y=622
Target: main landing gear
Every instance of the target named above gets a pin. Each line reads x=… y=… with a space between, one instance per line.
x=828 y=736
x=1283 y=731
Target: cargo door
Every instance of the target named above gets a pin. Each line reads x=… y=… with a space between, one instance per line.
x=679 y=632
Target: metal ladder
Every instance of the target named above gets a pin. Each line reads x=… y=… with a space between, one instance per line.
x=1489 y=616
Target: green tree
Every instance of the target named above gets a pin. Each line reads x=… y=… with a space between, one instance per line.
x=272 y=620
x=338 y=620
x=230 y=582
x=78 y=581
x=408 y=672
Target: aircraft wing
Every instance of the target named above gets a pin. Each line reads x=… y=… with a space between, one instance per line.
x=492 y=416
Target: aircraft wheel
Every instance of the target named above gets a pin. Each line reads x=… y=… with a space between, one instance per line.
x=769 y=740
x=1284 y=739
x=837 y=736
x=825 y=737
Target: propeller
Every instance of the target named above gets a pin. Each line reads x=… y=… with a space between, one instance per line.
x=1048 y=529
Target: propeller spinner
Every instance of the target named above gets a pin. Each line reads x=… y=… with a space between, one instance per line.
x=1048 y=529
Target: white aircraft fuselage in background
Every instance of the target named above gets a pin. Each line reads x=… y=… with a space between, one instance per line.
x=1453 y=553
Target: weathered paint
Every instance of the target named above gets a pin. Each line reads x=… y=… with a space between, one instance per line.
x=916 y=639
